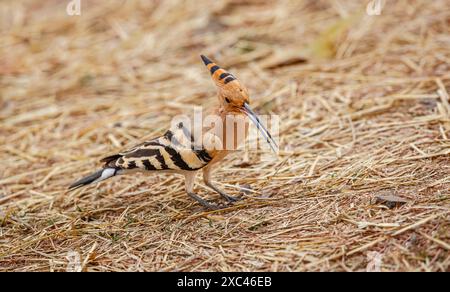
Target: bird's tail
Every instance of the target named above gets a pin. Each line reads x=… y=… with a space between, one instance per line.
x=95 y=177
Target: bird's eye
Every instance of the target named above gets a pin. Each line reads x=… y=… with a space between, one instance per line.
x=227 y=100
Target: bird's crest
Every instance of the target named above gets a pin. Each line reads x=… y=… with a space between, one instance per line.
x=220 y=76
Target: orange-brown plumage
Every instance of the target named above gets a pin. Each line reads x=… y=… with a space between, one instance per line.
x=180 y=151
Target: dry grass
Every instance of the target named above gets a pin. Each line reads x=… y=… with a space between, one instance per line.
x=365 y=112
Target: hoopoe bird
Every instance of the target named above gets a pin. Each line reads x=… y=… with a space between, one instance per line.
x=179 y=151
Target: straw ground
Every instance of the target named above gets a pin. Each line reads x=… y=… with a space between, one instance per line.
x=364 y=105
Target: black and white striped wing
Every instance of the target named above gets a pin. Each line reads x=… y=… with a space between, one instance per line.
x=173 y=151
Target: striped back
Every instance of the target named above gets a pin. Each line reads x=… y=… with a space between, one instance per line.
x=175 y=150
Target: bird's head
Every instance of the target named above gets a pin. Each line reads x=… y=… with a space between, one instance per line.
x=232 y=94
x=234 y=97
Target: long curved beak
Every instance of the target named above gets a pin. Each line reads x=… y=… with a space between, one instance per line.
x=254 y=118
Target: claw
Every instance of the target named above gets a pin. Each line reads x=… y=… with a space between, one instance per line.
x=230 y=198
x=211 y=207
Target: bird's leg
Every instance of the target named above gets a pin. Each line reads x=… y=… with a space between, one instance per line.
x=207 y=180
x=190 y=178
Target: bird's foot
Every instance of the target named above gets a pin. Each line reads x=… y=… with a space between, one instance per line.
x=224 y=195
x=204 y=203
x=211 y=207
x=230 y=199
